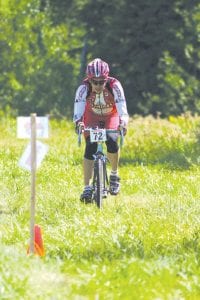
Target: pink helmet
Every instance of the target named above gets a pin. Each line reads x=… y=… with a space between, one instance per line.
x=97 y=68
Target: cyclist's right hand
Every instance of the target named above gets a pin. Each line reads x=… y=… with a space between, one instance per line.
x=79 y=127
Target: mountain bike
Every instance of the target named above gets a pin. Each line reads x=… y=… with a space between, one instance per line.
x=100 y=181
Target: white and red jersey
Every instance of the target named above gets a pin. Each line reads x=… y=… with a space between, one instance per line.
x=108 y=107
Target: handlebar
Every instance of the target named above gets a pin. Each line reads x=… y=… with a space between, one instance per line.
x=87 y=129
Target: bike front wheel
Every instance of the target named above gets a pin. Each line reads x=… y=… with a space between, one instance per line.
x=99 y=185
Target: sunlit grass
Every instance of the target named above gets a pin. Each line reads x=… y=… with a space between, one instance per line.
x=143 y=244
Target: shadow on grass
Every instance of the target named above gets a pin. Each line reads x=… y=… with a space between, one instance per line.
x=174 y=160
x=103 y=254
x=193 y=243
x=135 y=249
x=5 y=212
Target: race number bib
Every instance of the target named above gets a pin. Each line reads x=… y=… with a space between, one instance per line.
x=97 y=135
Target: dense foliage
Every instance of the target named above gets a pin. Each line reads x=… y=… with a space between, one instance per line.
x=37 y=70
x=152 y=47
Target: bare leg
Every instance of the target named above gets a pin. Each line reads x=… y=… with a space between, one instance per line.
x=114 y=160
x=114 y=178
x=87 y=170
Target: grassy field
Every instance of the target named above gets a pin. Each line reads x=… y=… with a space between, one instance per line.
x=143 y=244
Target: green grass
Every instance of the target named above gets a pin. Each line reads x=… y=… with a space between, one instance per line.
x=143 y=244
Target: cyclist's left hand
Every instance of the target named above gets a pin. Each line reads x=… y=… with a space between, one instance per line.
x=122 y=128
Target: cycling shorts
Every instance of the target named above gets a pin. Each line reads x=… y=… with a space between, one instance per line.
x=91 y=148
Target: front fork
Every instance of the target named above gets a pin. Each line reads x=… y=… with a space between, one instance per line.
x=104 y=159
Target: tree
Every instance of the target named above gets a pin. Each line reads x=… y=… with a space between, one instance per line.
x=37 y=71
x=151 y=47
x=136 y=38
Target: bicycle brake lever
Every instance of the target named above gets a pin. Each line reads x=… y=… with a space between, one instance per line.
x=79 y=136
x=121 y=137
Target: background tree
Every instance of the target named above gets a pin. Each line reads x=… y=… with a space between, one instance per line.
x=37 y=71
x=153 y=48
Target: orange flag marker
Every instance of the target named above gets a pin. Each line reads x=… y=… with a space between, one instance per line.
x=38 y=242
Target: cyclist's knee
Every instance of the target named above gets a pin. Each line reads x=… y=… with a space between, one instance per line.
x=112 y=146
x=90 y=149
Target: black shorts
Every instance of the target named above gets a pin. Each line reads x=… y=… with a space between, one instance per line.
x=91 y=148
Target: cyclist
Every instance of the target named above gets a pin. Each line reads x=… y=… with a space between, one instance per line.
x=100 y=102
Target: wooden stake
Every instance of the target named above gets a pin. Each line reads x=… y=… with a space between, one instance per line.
x=33 y=182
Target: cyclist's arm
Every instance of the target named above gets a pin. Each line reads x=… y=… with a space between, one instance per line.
x=120 y=102
x=79 y=103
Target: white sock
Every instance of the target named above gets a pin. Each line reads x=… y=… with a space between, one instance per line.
x=114 y=173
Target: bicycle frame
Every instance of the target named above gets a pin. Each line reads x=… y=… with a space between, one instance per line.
x=100 y=178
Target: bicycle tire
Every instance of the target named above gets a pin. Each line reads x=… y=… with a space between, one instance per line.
x=99 y=182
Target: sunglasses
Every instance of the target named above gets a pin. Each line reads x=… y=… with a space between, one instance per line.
x=98 y=82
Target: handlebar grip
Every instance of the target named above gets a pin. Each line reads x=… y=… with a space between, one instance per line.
x=79 y=136
x=121 y=138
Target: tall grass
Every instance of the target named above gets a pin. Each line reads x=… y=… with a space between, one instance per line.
x=143 y=244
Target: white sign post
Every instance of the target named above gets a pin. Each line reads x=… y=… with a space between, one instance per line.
x=32 y=127
x=33 y=181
